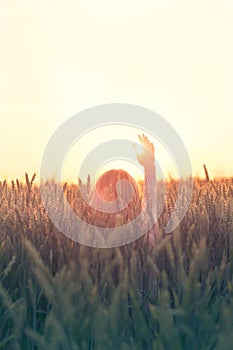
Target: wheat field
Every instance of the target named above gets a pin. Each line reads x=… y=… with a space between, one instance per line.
x=58 y=294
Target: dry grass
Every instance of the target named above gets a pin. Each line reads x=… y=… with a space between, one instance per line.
x=57 y=294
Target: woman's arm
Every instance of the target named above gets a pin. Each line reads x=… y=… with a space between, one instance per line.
x=146 y=159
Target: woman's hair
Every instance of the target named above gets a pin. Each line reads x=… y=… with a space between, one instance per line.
x=108 y=188
x=106 y=185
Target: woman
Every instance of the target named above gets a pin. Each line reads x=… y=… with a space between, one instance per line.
x=115 y=200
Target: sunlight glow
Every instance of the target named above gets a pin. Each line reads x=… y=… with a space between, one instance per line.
x=149 y=53
x=76 y=155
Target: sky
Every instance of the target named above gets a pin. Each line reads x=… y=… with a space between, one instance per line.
x=59 y=58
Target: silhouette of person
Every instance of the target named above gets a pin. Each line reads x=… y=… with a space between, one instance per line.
x=116 y=199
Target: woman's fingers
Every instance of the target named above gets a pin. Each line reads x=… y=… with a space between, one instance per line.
x=146 y=144
x=144 y=140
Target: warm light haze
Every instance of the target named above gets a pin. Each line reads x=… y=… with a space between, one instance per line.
x=59 y=58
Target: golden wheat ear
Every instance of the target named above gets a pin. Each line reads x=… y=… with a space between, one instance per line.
x=206 y=173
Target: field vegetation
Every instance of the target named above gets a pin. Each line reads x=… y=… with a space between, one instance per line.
x=58 y=294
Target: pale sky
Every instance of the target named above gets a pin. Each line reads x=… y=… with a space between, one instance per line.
x=60 y=57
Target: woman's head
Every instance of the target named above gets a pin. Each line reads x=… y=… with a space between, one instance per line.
x=118 y=190
x=110 y=185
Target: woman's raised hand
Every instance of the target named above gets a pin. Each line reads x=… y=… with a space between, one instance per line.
x=146 y=156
